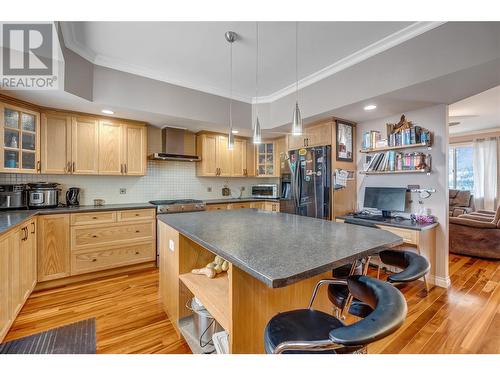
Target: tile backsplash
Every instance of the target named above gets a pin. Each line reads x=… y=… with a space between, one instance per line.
x=164 y=180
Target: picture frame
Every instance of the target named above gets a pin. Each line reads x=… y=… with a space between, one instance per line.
x=344 y=141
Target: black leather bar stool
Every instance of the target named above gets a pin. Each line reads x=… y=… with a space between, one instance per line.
x=311 y=331
x=414 y=266
x=339 y=294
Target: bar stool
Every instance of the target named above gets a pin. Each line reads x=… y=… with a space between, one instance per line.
x=312 y=331
x=414 y=266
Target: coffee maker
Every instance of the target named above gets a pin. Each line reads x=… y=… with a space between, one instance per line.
x=72 y=197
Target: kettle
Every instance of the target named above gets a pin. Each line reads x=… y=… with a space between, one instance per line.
x=72 y=196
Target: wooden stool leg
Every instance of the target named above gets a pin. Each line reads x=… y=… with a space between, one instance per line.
x=426 y=284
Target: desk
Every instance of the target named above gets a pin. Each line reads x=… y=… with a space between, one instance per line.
x=420 y=236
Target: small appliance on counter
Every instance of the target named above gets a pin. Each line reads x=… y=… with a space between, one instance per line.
x=73 y=197
x=269 y=191
x=13 y=196
x=43 y=194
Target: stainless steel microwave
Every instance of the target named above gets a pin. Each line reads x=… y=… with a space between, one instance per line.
x=265 y=191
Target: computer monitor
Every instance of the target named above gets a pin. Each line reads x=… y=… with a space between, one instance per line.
x=385 y=199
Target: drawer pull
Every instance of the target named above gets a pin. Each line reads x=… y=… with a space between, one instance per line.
x=137 y=253
x=94 y=217
x=94 y=260
x=137 y=214
x=94 y=236
x=137 y=231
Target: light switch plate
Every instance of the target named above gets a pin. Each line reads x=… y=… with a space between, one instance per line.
x=123 y=191
x=171 y=245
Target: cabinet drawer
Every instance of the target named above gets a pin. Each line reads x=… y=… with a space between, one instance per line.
x=132 y=215
x=409 y=236
x=213 y=207
x=240 y=205
x=91 y=237
x=93 y=218
x=110 y=258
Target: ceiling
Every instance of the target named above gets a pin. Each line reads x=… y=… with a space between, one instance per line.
x=476 y=113
x=196 y=55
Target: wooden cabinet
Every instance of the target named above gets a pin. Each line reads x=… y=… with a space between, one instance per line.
x=218 y=160
x=315 y=135
x=134 y=149
x=239 y=158
x=85 y=146
x=19 y=139
x=17 y=271
x=261 y=205
x=266 y=160
x=92 y=146
x=111 y=153
x=223 y=157
x=56 y=143
x=53 y=247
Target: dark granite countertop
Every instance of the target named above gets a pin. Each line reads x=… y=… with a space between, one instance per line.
x=277 y=248
x=9 y=219
x=236 y=200
x=398 y=223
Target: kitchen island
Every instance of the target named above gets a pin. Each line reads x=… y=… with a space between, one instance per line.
x=275 y=260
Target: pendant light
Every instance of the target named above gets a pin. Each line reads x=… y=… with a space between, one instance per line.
x=230 y=37
x=297 y=118
x=257 y=134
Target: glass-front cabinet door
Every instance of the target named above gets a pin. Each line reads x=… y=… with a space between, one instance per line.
x=265 y=153
x=19 y=136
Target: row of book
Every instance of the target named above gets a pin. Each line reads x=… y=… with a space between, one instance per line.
x=397 y=161
x=372 y=139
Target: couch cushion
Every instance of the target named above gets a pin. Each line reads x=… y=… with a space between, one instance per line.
x=462 y=199
x=453 y=193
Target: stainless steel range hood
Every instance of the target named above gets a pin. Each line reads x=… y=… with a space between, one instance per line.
x=176 y=144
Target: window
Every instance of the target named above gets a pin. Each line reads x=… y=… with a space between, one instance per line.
x=460 y=169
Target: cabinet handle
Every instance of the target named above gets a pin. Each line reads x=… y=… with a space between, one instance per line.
x=73 y=167
x=94 y=236
x=137 y=253
x=25 y=235
x=38 y=166
x=126 y=168
x=94 y=260
x=68 y=167
x=32 y=228
x=137 y=214
x=94 y=217
x=137 y=231
x=121 y=168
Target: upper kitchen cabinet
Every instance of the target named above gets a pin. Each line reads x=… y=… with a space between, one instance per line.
x=56 y=143
x=218 y=160
x=92 y=146
x=85 y=145
x=19 y=139
x=111 y=153
x=266 y=159
x=314 y=135
x=134 y=149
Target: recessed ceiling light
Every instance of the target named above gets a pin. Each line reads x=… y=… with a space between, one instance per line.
x=108 y=111
x=234 y=131
x=370 y=107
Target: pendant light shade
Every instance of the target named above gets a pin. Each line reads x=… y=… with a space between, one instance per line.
x=257 y=134
x=297 y=121
x=297 y=118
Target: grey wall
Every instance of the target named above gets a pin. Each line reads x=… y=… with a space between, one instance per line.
x=448 y=49
x=434 y=118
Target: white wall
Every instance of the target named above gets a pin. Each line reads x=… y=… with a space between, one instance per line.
x=434 y=118
x=165 y=180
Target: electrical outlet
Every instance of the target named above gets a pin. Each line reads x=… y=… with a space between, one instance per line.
x=123 y=191
x=209 y=189
x=242 y=188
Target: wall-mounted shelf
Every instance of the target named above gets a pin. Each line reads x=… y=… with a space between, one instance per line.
x=389 y=148
x=396 y=172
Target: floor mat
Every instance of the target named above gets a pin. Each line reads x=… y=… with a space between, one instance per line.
x=76 y=338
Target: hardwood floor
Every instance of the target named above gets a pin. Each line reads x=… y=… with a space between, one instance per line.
x=129 y=318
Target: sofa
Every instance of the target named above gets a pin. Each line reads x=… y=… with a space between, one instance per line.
x=476 y=234
x=461 y=202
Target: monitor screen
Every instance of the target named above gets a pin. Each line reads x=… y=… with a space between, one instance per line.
x=385 y=199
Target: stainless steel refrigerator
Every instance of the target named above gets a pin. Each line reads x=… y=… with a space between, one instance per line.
x=306 y=182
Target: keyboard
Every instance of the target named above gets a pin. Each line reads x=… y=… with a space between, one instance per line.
x=369 y=217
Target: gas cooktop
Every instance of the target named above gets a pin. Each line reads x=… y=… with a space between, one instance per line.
x=178 y=205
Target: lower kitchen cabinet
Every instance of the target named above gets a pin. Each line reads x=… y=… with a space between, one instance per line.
x=261 y=205
x=53 y=247
x=17 y=271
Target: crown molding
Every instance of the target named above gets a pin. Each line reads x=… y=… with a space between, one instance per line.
x=371 y=50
